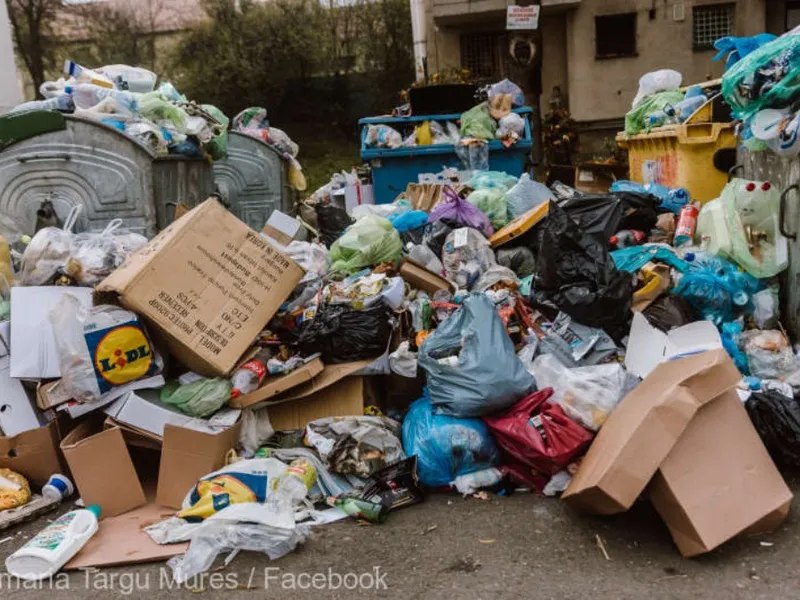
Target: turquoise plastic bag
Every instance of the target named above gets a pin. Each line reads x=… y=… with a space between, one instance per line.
x=201 y=398
x=369 y=241
x=490 y=195
x=768 y=77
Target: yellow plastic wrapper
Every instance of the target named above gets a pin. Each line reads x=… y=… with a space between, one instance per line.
x=424 y=136
x=239 y=482
x=14 y=489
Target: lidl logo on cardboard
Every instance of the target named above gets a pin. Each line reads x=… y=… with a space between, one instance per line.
x=122 y=355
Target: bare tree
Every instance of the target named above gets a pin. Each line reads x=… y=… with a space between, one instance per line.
x=32 y=25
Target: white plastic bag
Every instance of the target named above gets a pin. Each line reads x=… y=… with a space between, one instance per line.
x=657 y=81
x=466 y=256
x=238 y=527
x=95 y=255
x=48 y=252
x=256 y=429
x=403 y=362
x=526 y=195
x=511 y=123
x=587 y=394
x=100 y=348
x=312 y=258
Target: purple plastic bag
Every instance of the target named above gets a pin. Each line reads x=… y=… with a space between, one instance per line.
x=461 y=212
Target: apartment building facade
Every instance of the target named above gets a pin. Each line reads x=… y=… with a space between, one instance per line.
x=594 y=51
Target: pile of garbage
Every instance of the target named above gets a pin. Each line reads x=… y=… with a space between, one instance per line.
x=492 y=119
x=488 y=334
x=126 y=98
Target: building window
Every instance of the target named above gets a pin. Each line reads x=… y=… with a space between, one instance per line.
x=615 y=35
x=484 y=55
x=709 y=23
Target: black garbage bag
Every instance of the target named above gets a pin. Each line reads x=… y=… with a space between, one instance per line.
x=343 y=334
x=332 y=222
x=603 y=215
x=414 y=236
x=777 y=420
x=575 y=274
x=670 y=311
x=519 y=259
x=436 y=235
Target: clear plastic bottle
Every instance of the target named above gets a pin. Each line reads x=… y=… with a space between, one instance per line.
x=64 y=103
x=293 y=485
x=249 y=376
x=87 y=95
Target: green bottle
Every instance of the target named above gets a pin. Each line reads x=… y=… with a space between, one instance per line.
x=360 y=509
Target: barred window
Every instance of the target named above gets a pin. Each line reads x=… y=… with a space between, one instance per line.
x=484 y=55
x=709 y=23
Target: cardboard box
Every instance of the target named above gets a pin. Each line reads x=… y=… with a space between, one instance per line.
x=596 y=178
x=104 y=472
x=648 y=347
x=209 y=284
x=281 y=228
x=643 y=429
x=144 y=411
x=188 y=455
x=33 y=347
x=718 y=480
x=336 y=392
x=33 y=454
x=102 y=469
x=276 y=386
x=420 y=278
x=16 y=409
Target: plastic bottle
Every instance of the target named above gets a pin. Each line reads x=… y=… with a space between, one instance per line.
x=249 y=376
x=360 y=509
x=64 y=103
x=627 y=237
x=88 y=96
x=52 y=547
x=687 y=107
x=293 y=485
x=84 y=75
x=58 y=487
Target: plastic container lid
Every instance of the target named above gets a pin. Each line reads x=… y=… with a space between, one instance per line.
x=95 y=509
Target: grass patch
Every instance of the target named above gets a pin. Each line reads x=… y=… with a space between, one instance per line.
x=323 y=152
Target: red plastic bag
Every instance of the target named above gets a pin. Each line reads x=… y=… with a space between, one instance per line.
x=539 y=435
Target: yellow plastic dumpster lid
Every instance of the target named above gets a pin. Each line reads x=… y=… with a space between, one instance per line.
x=520 y=225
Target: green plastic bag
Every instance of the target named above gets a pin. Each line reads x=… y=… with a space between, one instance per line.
x=756 y=209
x=218 y=147
x=369 y=241
x=153 y=107
x=200 y=398
x=636 y=118
x=478 y=123
x=490 y=195
x=768 y=77
x=492 y=202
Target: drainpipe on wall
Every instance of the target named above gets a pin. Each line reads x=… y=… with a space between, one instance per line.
x=10 y=91
x=420 y=40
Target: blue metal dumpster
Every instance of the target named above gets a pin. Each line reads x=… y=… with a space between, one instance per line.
x=394 y=169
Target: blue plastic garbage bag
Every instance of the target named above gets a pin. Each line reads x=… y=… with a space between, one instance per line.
x=738 y=47
x=445 y=446
x=717 y=289
x=470 y=363
x=409 y=220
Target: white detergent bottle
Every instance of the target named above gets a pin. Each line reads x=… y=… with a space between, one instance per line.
x=52 y=547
